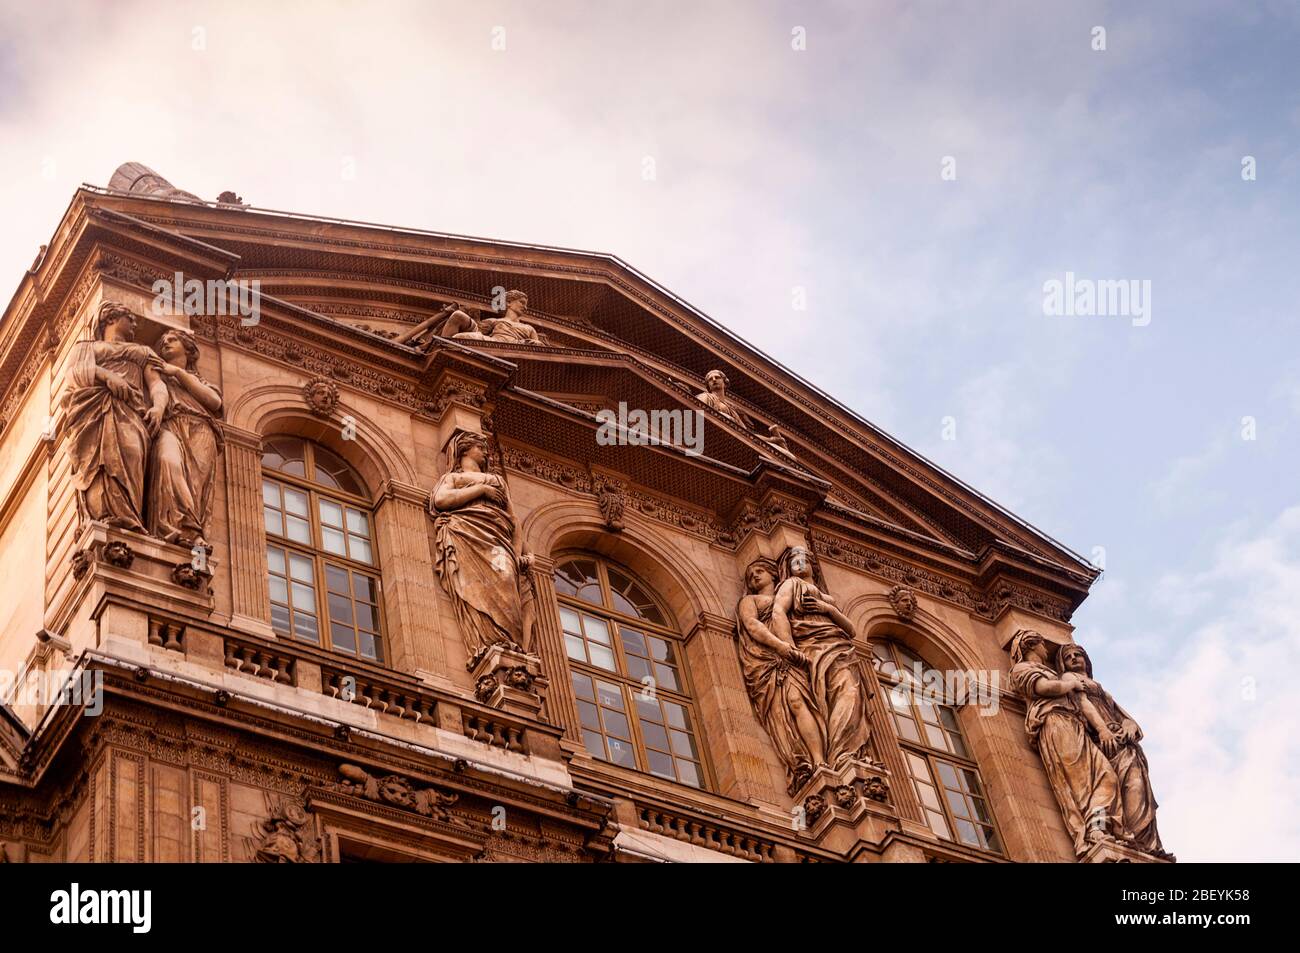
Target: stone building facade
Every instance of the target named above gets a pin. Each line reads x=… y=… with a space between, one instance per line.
x=373 y=568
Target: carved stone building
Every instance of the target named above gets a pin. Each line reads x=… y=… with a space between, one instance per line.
x=365 y=572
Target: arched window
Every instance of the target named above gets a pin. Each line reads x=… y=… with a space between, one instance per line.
x=320 y=555
x=626 y=666
x=946 y=777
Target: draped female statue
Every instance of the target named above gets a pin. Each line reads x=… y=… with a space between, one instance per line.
x=807 y=618
x=476 y=561
x=776 y=677
x=1117 y=734
x=109 y=420
x=1083 y=780
x=185 y=452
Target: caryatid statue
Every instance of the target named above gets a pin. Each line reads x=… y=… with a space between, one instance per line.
x=476 y=561
x=184 y=460
x=1117 y=734
x=808 y=619
x=776 y=677
x=1082 y=778
x=117 y=403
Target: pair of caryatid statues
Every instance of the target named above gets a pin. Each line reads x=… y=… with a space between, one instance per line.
x=1089 y=746
x=144 y=437
x=477 y=559
x=801 y=669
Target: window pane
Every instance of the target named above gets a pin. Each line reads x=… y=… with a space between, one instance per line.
x=655 y=736
x=633 y=641
x=948 y=775
x=304 y=597
x=621 y=752
x=295 y=502
x=595 y=744
x=271 y=493
x=371 y=646
x=345 y=640
x=280 y=619
x=332 y=540
x=587 y=711
x=661 y=650
x=569 y=621
x=279 y=590
x=297 y=529
x=906 y=727
x=341 y=609
x=360 y=549
x=939 y=824
x=582 y=687
x=601 y=656
x=366 y=617
x=300 y=567
x=661 y=764
x=304 y=627
x=966 y=830
x=357 y=522
x=610 y=695
x=332 y=468
x=336 y=580
x=366 y=589
x=666 y=677
x=275 y=559
x=689 y=773
x=597 y=630
x=684 y=745
x=573 y=646
x=676 y=715
x=620 y=601
x=331 y=514
x=637 y=668
x=616 y=726
x=274 y=524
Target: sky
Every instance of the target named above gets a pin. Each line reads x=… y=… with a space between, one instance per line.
x=915 y=172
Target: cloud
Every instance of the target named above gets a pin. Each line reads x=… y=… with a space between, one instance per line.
x=1219 y=709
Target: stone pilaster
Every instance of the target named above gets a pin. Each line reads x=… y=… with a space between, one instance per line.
x=410 y=604
x=741 y=760
x=250 y=597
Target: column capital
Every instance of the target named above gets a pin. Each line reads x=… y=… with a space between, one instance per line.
x=712 y=622
x=406 y=492
x=238 y=436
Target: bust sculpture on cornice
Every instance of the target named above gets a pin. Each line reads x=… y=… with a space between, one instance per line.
x=714 y=396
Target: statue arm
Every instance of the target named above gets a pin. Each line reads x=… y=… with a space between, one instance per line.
x=781 y=614
x=207 y=395
x=423 y=326
x=447 y=496
x=760 y=633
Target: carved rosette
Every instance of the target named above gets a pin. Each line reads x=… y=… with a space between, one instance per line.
x=321 y=396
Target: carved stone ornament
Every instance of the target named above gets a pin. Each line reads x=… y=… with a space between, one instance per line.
x=395 y=790
x=119 y=554
x=814 y=806
x=285 y=837
x=903 y=600
x=509 y=680
x=187 y=576
x=611 y=499
x=81 y=563
x=321 y=396
x=875 y=789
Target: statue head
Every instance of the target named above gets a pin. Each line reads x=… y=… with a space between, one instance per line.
x=179 y=347
x=715 y=382
x=115 y=322
x=472 y=446
x=1029 y=646
x=516 y=303
x=1073 y=658
x=760 y=575
x=797 y=561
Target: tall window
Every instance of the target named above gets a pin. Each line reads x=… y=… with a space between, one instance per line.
x=946 y=777
x=319 y=554
x=626 y=665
